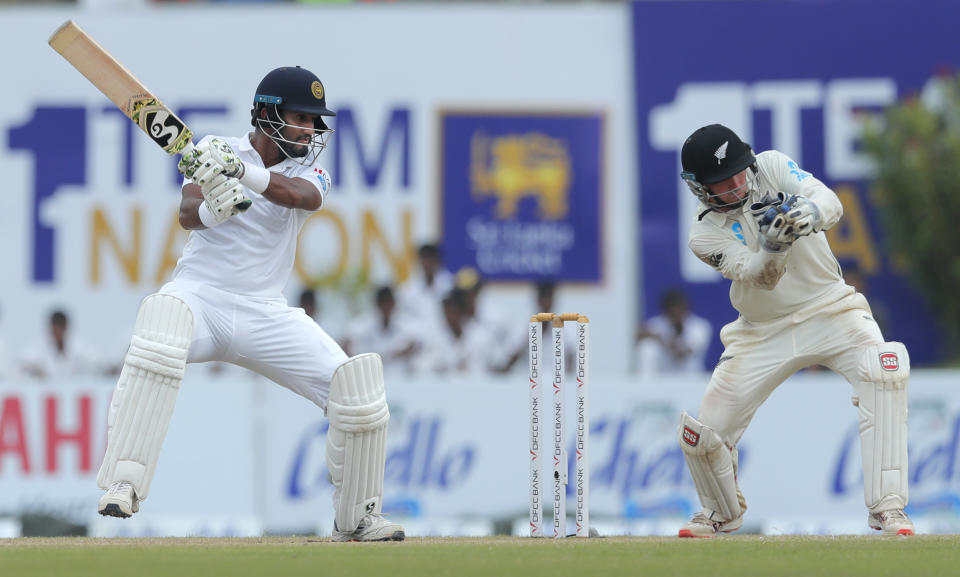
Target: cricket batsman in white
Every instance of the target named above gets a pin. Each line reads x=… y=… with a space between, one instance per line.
x=758 y=225
x=244 y=201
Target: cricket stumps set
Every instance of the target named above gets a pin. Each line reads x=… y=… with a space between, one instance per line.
x=554 y=349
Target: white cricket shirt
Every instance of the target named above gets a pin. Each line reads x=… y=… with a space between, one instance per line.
x=251 y=253
x=729 y=242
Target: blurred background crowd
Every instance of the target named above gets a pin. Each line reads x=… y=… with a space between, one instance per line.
x=436 y=323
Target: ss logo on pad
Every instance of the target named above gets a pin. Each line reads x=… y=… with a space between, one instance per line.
x=889 y=362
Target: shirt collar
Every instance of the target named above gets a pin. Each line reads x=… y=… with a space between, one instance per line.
x=247 y=146
x=716 y=217
x=245 y=143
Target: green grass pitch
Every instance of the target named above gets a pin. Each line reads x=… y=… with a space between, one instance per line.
x=740 y=556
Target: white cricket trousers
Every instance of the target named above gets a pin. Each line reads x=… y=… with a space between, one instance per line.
x=758 y=357
x=265 y=335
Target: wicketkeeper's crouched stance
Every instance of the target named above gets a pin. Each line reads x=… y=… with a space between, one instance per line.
x=757 y=226
x=245 y=200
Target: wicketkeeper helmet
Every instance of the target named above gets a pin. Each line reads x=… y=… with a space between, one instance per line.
x=713 y=154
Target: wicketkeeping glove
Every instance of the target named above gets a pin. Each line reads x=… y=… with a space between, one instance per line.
x=776 y=228
x=758 y=209
x=805 y=217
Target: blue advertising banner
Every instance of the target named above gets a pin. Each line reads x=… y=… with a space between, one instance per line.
x=521 y=194
x=796 y=77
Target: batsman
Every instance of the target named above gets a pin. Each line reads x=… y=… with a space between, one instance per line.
x=244 y=200
x=758 y=224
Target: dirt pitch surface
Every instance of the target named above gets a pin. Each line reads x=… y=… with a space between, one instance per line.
x=739 y=555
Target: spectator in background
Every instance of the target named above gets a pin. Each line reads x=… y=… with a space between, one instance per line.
x=308 y=302
x=59 y=356
x=420 y=297
x=457 y=347
x=674 y=341
x=517 y=342
x=381 y=331
x=483 y=318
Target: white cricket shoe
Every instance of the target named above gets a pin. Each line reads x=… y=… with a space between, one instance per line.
x=892 y=522
x=120 y=500
x=703 y=527
x=372 y=527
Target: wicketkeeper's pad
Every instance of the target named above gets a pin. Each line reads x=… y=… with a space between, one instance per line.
x=711 y=465
x=881 y=401
x=146 y=392
x=356 y=439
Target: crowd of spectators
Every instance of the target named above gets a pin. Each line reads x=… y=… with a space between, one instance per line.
x=435 y=323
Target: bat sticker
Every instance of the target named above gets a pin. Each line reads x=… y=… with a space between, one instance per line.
x=163 y=127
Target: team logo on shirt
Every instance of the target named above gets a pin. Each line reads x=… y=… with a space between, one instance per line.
x=889 y=361
x=690 y=436
x=738 y=232
x=324 y=179
x=796 y=171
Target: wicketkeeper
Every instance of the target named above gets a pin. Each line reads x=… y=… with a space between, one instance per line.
x=757 y=225
x=244 y=200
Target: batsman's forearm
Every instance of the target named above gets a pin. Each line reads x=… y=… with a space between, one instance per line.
x=292 y=193
x=190 y=214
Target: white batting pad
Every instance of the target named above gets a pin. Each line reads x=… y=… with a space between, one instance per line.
x=356 y=439
x=146 y=392
x=882 y=408
x=711 y=465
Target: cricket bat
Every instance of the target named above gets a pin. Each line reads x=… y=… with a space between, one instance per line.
x=122 y=88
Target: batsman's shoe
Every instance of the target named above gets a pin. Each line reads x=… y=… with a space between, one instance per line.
x=120 y=500
x=893 y=522
x=372 y=527
x=701 y=526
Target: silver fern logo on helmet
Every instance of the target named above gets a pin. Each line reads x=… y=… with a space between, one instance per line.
x=721 y=152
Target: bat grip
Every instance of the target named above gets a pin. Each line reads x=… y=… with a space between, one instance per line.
x=243 y=205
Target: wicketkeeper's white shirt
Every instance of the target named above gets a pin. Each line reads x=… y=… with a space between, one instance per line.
x=726 y=241
x=251 y=253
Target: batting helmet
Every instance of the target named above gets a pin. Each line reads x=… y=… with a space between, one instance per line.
x=292 y=88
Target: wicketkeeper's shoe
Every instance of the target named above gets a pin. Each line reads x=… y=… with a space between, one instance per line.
x=893 y=522
x=120 y=500
x=703 y=527
x=372 y=527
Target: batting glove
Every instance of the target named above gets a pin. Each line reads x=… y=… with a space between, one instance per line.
x=223 y=197
x=190 y=161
